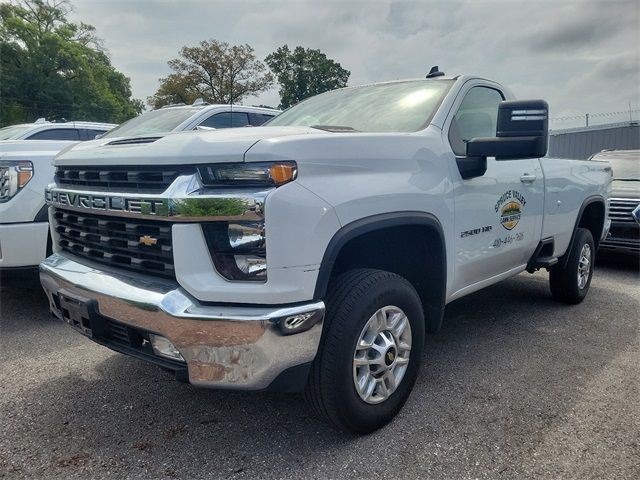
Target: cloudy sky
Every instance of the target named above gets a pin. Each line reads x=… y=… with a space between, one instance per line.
x=581 y=56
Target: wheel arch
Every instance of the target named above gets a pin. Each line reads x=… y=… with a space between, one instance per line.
x=592 y=217
x=358 y=243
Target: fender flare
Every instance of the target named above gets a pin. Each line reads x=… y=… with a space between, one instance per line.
x=42 y=215
x=377 y=222
x=588 y=201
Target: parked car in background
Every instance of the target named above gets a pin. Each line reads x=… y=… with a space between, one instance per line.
x=624 y=204
x=43 y=130
x=178 y=118
x=26 y=152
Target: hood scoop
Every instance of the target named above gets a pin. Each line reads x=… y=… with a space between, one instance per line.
x=133 y=141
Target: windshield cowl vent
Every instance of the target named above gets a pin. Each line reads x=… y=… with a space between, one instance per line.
x=133 y=141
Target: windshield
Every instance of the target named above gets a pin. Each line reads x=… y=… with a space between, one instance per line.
x=388 y=107
x=11 y=133
x=624 y=168
x=153 y=123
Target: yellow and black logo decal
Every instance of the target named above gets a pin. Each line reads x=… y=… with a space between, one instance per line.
x=509 y=206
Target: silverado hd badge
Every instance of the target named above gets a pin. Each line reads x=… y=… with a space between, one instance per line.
x=509 y=206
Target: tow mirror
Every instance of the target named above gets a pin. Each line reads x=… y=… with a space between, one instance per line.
x=522 y=132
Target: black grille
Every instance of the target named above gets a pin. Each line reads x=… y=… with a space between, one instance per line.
x=4 y=184
x=139 y=179
x=118 y=332
x=620 y=209
x=117 y=241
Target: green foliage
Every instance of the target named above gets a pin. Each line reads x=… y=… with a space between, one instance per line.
x=53 y=68
x=304 y=73
x=215 y=71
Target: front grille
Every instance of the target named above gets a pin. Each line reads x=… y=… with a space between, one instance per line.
x=4 y=183
x=117 y=241
x=118 y=332
x=138 y=179
x=620 y=209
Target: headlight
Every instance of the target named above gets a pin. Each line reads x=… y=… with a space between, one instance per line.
x=238 y=249
x=259 y=174
x=14 y=175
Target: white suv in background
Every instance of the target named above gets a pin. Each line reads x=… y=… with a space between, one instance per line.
x=43 y=130
x=200 y=115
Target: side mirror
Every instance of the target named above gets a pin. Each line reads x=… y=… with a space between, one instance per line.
x=522 y=132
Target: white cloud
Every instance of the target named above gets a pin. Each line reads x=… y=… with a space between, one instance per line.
x=582 y=56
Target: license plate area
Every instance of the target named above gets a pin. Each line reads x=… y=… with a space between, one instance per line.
x=76 y=312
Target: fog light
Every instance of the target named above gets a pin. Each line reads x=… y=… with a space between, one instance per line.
x=299 y=322
x=164 y=348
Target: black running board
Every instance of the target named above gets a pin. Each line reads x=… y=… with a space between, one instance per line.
x=542 y=257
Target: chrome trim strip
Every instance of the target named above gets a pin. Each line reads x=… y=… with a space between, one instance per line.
x=530 y=117
x=529 y=112
x=183 y=201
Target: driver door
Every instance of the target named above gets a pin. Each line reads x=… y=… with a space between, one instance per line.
x=498 y=216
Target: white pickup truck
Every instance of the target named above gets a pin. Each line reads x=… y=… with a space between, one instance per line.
x=26 y=154
x=315 y=252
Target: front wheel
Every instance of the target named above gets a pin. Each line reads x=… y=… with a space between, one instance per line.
x=371 y=350
x=570 y=284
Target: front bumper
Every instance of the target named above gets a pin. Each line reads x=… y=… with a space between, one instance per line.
x=23 y=244
x=232 y=347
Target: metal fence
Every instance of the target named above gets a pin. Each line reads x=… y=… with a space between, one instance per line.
x=581 y=143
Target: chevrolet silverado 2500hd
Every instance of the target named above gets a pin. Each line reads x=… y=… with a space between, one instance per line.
x=315 y=252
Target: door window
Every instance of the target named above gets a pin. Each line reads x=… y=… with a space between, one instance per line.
x=56 y=134
x=91 y=134
x=226 y=120
x=476 y=117
x=258 y=119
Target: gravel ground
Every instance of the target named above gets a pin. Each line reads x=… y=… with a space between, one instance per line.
x=515 y=386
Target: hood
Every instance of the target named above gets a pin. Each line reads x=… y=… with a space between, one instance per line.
x=26 y=149
x=625 y=189
x=193 y=147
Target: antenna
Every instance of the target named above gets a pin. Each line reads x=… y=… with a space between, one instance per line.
x=434 y=72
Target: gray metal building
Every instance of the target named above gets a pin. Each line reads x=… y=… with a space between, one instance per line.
x=581 y=143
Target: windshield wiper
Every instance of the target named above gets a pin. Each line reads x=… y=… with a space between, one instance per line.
x=628 y=179
x=334 y=128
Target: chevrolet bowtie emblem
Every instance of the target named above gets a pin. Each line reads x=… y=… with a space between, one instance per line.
x=148 y=241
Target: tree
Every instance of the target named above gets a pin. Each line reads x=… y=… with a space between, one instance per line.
x=53 y=68
x=216 y=71
x=304 y=73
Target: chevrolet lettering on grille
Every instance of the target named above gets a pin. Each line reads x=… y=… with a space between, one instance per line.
x=91 y=201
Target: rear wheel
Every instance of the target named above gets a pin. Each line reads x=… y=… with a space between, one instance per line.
x=570 y=284
x=371 y=350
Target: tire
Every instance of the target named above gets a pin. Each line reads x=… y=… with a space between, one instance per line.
x=352 y=301
x=566 y=286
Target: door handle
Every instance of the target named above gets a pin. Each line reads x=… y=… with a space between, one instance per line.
x=528 y=178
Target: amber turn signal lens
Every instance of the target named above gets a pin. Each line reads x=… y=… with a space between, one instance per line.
x=282 y=173
x=24 y=177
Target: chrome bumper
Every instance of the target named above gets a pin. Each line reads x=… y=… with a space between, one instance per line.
x=223 y=346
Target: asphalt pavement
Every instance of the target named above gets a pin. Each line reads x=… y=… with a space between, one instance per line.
x=514 y=386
